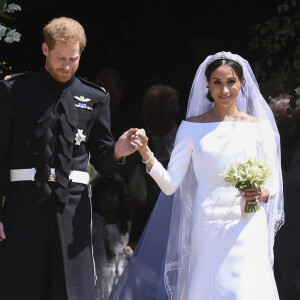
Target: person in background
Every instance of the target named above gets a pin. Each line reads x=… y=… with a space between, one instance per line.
x=160 y=107
x=110 y=231
x=287 y=259
x=111 y=80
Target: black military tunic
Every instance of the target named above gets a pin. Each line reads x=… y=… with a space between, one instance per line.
x=47 y=124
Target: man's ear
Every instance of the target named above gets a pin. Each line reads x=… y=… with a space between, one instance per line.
x=45 y=49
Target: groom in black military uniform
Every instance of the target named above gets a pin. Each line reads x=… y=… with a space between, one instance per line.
x=51 y=121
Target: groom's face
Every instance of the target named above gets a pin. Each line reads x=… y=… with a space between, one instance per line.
x=62 y=61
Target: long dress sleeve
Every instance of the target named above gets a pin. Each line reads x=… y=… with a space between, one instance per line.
x=169 y=180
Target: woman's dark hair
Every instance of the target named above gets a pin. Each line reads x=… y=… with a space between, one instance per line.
x=237 y=68
x=112 y=185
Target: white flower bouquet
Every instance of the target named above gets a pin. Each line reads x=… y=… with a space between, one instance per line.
x=247 y=173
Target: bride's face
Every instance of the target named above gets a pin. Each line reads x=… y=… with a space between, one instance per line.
x=224 y=85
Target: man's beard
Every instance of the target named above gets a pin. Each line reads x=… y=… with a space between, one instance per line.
x=58 y=75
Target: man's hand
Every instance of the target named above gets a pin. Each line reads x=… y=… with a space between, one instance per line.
x=2 y=233
x=127 y=144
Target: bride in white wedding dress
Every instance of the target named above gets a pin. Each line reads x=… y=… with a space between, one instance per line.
x=212 y=253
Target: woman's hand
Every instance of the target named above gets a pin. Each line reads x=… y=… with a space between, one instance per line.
x=146 y=153
x=140 y=135
x=254 y=195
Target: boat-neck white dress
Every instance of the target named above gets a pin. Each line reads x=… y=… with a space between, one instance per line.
x=229 y=258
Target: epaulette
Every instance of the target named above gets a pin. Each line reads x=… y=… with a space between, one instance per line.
x=85 y=81
x=16 y=75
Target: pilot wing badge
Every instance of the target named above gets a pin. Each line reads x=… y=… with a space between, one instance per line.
x=82 y=99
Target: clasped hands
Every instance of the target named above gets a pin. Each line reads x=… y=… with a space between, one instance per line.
x=130 y=141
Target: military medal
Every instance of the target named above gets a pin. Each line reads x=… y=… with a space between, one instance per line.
x=82 y=99
x=80 y=137
x=84 y=106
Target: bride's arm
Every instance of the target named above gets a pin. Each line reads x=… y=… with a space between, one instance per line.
x=169 y=180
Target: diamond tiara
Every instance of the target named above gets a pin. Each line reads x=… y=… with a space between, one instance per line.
x=224 y=55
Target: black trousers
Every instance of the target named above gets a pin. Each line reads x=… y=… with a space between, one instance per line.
x=54 y=286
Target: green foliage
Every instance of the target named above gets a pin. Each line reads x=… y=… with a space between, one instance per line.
x=4 y=68
x=3 y=15
x=2 y=4
x=6 y=17
x=277 y=45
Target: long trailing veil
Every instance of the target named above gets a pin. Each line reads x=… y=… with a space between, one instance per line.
x=159 y=267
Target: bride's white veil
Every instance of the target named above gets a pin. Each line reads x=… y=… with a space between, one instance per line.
x=169 y=228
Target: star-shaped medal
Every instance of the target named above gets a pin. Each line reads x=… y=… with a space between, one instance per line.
x=80 y=137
